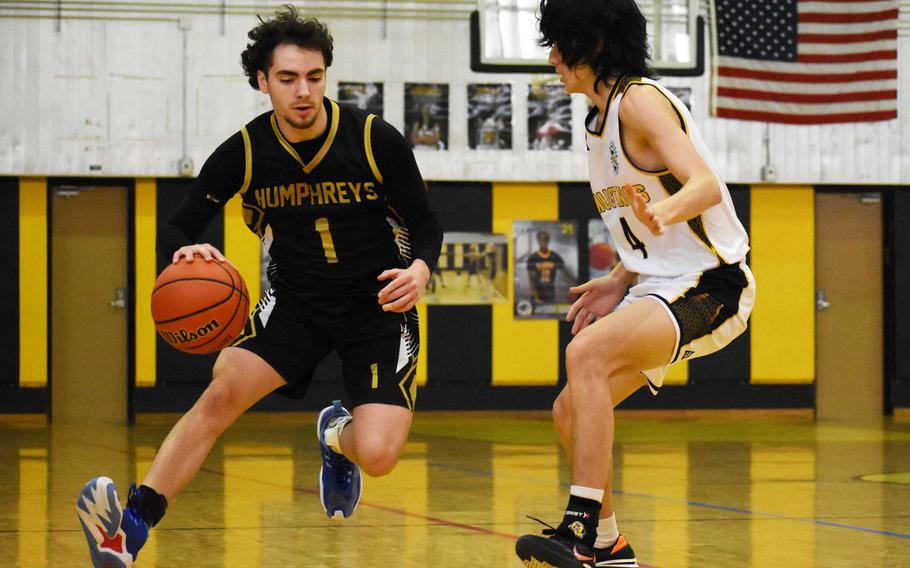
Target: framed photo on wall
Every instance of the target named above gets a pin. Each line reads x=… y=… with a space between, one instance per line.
x=426 y=115
x=473 y=268
x=489 y=116
x=549 y=117
x=365 y=96
x=546 y=266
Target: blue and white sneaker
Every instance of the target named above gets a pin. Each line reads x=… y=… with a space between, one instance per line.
x=114 y=534
x=339 y=478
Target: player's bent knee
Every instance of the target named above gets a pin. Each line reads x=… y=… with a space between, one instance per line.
x=562 y=411
x=215 y=407
x=582 y=352
x=378 y=461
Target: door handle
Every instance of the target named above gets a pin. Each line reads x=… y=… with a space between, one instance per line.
x=821 y=302
x=119 y=300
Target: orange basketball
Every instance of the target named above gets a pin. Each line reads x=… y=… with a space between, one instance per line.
x=199 y=306
x=602 y=256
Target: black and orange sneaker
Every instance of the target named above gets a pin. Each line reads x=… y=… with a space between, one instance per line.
x=556 y=549
x=620 y=555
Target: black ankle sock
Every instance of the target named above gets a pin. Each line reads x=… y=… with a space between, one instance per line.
x=581 y=519
x=149 y=504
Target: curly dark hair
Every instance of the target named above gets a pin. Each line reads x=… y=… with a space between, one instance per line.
x=609 y=36
x=287 y=27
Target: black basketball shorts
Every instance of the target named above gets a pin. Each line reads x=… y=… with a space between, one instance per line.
x=379 y=355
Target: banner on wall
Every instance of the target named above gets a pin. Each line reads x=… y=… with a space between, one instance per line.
x=489 y=116
x=602 y=255
x=549 y=117
x=365 y=96
x=426 y=115
x=546 y=265
x=473 y=269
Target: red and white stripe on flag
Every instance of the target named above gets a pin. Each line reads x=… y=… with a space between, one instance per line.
x=805 y=61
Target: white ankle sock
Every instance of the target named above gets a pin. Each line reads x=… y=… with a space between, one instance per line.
x=607 y=532
x=333 y=434
x=587 y=493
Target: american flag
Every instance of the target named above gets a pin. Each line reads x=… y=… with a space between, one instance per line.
x=805 y=61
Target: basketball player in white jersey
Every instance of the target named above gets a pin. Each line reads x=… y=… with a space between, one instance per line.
x=682 y=288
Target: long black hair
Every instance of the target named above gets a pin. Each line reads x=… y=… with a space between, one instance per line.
x=609 y=36
x=287 y=27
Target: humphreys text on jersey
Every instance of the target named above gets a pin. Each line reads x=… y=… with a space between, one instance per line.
x=322 y=193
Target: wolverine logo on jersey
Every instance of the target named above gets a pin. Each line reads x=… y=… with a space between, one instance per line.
x=323 y=193
x=613 y=197
x=614 y=158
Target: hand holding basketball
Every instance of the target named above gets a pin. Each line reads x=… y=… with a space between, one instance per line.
x=201 y=306
x=205 y=250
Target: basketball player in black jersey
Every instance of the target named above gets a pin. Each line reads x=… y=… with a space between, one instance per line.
x=337 y=198
x=543 y=265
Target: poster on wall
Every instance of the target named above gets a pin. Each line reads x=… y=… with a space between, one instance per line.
x=549 y=117
x=426 y=115
x=489 y=116
x=602 y=251
x=473 y=268
x=365 y=96
x=546 y=266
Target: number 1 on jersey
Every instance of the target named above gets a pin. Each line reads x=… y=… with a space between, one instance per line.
x=633 y=240
x=328 y=245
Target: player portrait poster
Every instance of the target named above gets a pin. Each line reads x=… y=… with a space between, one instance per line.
x=489 y=116
x=365 y=96
x=473 y=268
x=426 y=115
x=549 y=117
x=602 y=255
x=546 y=266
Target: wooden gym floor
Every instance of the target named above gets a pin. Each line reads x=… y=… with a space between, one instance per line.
x=706 y=489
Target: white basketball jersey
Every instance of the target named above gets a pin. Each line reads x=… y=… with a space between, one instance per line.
x=713 y=238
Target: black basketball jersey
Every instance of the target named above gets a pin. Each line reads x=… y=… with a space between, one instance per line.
x=542 y=271
x=327 y=222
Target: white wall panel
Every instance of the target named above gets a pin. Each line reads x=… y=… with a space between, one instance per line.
x=110 y=94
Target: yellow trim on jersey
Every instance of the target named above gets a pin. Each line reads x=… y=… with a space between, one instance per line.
x=248 y=160
x=614 y=90
x=409 y=392
x=368 y=144
x=333 y=129
x=250 y=335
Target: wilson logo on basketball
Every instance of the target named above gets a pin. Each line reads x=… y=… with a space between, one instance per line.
x=184 y=336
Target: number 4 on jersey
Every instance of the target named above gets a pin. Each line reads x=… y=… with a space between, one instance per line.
x=633 y=240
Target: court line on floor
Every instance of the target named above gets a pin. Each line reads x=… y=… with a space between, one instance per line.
x=701 y=504
x=367 y=504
